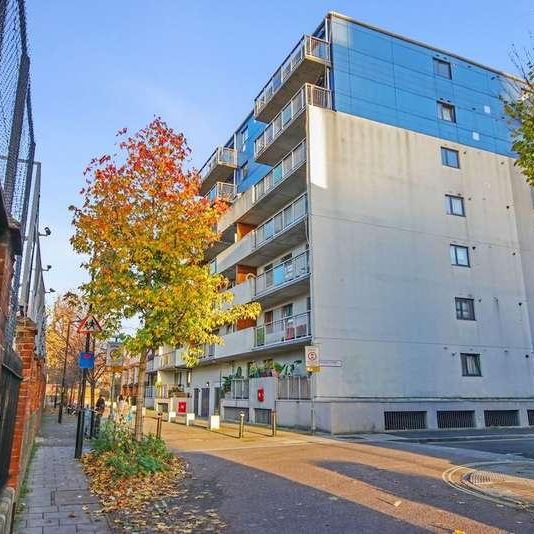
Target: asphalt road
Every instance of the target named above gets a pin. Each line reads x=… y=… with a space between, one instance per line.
x=302 y=484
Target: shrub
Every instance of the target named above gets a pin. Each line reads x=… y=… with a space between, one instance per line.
x=127 y=457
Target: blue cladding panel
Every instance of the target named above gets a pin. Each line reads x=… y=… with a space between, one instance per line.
x=389 y=80
x=255 y=171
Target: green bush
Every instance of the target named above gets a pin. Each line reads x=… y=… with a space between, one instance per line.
x=127 y=457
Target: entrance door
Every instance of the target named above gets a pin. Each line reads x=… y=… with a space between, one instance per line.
x=196 y=392
x=205 y=404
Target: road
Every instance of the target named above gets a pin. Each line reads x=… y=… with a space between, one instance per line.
x=296 y=483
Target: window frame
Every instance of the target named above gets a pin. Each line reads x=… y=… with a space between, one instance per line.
x=244 y=138
x=460 y=311
x=449 y=202
x=465 y=368
x=453 y=247
x=445 y=160
x=439 y=63
x=442 y=106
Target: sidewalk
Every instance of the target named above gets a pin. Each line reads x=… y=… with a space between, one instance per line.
x=58 y=500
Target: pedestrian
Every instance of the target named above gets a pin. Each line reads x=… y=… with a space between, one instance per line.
x=121 y=408
x=101 y=405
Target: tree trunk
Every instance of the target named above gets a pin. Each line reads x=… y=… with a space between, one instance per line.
x=140 y=397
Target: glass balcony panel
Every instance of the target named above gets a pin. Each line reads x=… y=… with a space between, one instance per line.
x=286 y=329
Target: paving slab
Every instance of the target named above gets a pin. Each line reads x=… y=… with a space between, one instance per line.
x=58 y=499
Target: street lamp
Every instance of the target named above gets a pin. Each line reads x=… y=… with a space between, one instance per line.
x=60 y=413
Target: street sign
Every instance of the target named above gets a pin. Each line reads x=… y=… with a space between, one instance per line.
x=89 y=325
x=331 y=363
x=313 y=364
x=114 y=355
x=87 y=360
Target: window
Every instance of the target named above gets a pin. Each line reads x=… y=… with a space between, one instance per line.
x=268 y=317
x=455 y=205
x=287 y=311
x=244 y=139
x=459 y=255
x=244 y=171
x=446 y=112
x=442 y=68
x=470 y=364
x=465 y=309
x=450 y=157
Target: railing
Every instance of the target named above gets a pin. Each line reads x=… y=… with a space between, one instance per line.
x=150 y=392
x=10 y=380
x=294 y=388
x=221 y=191
x=286 y=329
x=281 y=171
x=307 y=94
x=222 y=156
x=283 y=272
x=239 y=388
x=281 y=221
x=308 y=46
x=213 y=266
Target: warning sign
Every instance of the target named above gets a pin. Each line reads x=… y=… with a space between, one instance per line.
x=313 y=364
x=89 y=325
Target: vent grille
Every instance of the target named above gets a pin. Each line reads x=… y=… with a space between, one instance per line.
x=262 y=416
x=404 y=420
x=231 y=413
x=501 y=417
x=456 y=419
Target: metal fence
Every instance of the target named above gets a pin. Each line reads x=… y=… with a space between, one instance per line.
x=294 y=388
x=10 y=379
x=17 y=142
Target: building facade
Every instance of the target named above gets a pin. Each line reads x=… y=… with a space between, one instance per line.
x=375 y=213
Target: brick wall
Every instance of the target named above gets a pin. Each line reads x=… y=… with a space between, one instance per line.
x=31 y=395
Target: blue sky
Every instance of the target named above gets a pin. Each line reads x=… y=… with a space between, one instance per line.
x=101 y=65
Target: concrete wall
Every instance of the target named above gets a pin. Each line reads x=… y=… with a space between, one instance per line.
x=383 y=286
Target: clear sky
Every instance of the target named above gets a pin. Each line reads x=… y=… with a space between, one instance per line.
x=101 y=65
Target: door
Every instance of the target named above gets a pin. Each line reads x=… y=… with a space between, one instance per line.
x=196 y=392
x=205 y=402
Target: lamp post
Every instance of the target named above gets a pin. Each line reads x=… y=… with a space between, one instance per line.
x=60 y=413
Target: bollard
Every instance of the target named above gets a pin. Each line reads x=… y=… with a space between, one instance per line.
x=241 y=424
x=158 y=425
x=273 y=422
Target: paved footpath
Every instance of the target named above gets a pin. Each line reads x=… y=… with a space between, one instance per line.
x=57 y=499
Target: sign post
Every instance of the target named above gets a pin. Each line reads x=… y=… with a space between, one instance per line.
x=313 y=366
x=87 y=326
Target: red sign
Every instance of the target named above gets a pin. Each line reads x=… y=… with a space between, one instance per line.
x=182 y=407
x=89 y=325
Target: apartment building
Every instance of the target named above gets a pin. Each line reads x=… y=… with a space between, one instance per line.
x=375 y=213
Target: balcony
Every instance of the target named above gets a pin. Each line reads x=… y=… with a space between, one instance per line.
x=218 y=168
x=221 y=191
x=288 y=329
x=239 y=342
x=306 y=63
x=262 y=244
x=290 y=277
x=289 y=126
x=171 y=360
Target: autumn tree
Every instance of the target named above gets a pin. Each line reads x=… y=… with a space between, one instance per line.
x=519 y=105
x=62 y=321
x=144 y=229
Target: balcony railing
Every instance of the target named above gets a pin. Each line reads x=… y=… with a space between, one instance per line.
x=283 y=272
x=221 y=191
x=308 y=94
x=286 y=329
x=150 y=392
x=239 y=388
x=282 y=220
x=280 y=171
x=222 y=156
x=310 y=47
